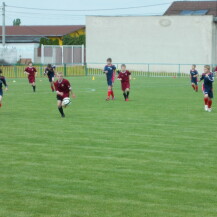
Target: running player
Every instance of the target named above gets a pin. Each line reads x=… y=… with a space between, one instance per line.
x=125 y=77
x=208 y=79
x=109 y=70
x=32 y=73
x=2 y=81
x=194 y=75
x=50 y=72
x=63 y=89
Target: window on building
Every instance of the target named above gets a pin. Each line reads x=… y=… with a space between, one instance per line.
x=191 y=12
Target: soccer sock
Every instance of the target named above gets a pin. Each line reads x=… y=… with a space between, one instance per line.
x=128 y=93
x=112 y=93
x=34 y=87
x=125 y=96
x=52 y=88
x=206 y=101
x=109 y=93
x=210 y=103
x=0 y=105
x=61 y=111
x=193 y=86
x=196 y=88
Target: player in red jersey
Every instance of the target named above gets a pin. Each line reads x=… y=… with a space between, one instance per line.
x=125 y=77
x=32 y=73
x=63 y=90
x=2 y=81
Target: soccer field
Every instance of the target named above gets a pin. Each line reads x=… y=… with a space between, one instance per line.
x=154 y=156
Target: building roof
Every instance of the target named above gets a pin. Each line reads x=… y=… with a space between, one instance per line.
x=193 y=8
x=21 y=39
x=40 y=30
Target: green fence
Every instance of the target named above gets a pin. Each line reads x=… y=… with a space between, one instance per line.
x=96 y=69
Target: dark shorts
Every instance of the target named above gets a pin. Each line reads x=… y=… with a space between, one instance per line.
x=125 y=85
x=1 y=92
x=209 y=92
x=109 y=81
x=194 y=81
x=62 y=97
x=31 y=79
x=50 y=78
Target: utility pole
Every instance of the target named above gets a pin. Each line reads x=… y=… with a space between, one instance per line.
x=3 y=24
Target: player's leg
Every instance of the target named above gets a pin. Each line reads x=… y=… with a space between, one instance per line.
x=109 y=91
x=193 y=85
x=0 y=99
x=32 y=83
x=59 y=105
x=51 y=80
x=127 y=91
x=210 y=96
x=112 y=93
x=206 y=99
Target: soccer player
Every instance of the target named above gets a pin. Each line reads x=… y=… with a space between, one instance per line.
x=2 y=81
x=194 y=76
x=125 y=77
x=50 y=72
x=32 y=73
x=109 y=70
x=63 y=89
x=208 y=79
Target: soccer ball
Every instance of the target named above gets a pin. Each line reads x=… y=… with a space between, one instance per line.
x=66 y=101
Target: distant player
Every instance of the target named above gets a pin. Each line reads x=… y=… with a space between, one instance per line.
x=32 y=73
x=50 y=72
x=63 y=89
x=208 y=79
x=2 y=82
x=125 y=77
x=194 y=75
x=109 y=70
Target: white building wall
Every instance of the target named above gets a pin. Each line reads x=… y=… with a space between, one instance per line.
x=24 y=50
x=152 y=39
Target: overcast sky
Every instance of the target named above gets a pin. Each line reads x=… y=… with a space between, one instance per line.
x=57 y=17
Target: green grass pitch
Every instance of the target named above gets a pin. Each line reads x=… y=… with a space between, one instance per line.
x=154 y=156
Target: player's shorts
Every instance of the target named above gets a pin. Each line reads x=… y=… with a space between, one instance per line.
x=51 y=78
x=31 y=79
x=1 y=92
x=109 y=81
x=125 y=85
x=194 y=81
x=209 y=92
x=62 y=97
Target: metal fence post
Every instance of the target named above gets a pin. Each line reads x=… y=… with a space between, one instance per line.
x=15 y=71
x=41 y=69
x=86 y=69
x=148 y=70
x=65 y=69
x=179 y=71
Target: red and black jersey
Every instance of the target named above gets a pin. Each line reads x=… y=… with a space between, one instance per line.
x=31 y=71
x=63 y=86
x=124 y=76
x=2 y=81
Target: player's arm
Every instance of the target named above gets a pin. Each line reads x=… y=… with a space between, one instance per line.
x=70 y=90
x=45 y=71
x=201 y=78
x=5 y=83
x=130 y=77
x=26 y=72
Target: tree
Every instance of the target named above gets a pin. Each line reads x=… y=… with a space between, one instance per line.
x=73 y=40
x=48 y=41
x=17 y=22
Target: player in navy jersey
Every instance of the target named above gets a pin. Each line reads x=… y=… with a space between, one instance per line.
x=2 y=82
x=50 y=72
x=208 y=80
x=125 y=77
x=63 y=89
x=32 y=73
x=109 y=70
x=194 y=75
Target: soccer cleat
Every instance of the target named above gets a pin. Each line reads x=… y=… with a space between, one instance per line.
x=206 y=107
x=107 y=99
x=209 y=109
x=113 y=98
x=63 y=116
x=127 y=100
x=0 y=105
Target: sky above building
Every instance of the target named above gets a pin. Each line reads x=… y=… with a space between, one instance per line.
x=71 y=12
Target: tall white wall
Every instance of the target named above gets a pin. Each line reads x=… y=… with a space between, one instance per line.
x=24 y=50
x=153 y=39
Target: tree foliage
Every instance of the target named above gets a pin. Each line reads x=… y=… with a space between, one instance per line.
x=48 y=41
x=17 y=22
x=74 y=40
